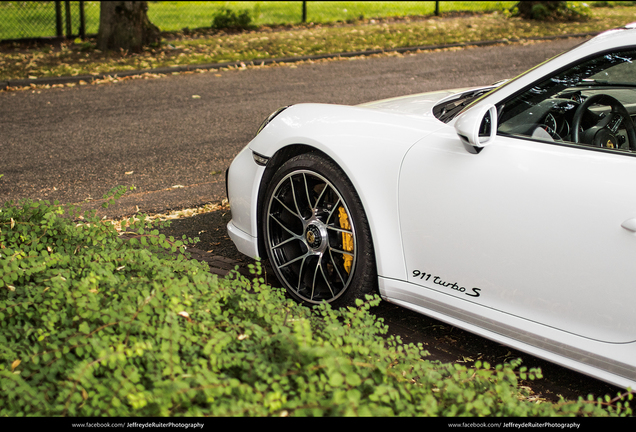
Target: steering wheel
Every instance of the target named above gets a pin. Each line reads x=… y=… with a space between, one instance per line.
x=601 y=134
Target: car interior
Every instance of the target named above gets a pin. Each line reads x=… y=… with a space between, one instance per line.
x=591 y=104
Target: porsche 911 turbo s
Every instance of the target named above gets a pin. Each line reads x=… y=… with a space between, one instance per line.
x=507 y=210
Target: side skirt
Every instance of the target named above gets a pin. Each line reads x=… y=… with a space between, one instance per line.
x=615 y=365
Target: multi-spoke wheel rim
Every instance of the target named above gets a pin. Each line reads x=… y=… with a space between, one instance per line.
x=311 y=237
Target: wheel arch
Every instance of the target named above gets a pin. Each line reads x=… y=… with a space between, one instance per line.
x=273 y=164
x=388 y=253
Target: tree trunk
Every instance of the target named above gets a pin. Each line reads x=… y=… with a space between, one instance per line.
x=125 y=25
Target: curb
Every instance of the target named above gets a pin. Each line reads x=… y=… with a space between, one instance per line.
x=170 y=69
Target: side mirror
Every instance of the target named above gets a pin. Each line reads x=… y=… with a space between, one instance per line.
x=477 y=127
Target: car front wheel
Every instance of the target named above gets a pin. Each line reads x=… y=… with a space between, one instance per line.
x=316 y=233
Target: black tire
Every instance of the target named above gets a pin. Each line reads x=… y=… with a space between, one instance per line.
x=316 y=233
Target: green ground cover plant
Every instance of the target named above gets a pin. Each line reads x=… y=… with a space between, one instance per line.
x=92 y=324
x=81 y=58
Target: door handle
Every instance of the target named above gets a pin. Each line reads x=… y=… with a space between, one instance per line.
x=630 y=224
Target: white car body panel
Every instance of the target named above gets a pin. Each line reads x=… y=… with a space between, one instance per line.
x=522 y=233
x=369 y=143
x=244 y=192
x=527 y=253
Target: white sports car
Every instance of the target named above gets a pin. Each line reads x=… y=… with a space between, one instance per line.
x=507 y=210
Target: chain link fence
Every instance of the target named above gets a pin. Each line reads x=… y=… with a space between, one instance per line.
x=71 y=19
x=47 y=19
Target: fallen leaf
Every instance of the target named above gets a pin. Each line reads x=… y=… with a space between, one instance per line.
x=129 y=172
x=196 y=97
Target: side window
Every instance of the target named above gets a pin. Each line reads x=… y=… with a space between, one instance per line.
x=592 y=103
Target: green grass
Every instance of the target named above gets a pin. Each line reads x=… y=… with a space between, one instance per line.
x=170 y=16
x=81 y=59
x=37 y=19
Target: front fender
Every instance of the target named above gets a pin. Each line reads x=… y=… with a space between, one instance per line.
x=369 y=146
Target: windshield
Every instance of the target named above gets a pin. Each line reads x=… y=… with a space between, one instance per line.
x=621 y=71
x=448 y=109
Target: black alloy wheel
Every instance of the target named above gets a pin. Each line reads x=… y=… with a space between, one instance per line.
x=316 y=233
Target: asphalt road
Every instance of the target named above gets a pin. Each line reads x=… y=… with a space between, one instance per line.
x=74 y=144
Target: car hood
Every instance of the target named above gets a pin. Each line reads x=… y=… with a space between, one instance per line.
x=418 y=104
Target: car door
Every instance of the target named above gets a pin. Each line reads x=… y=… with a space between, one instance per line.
x=534 y=225
x=531 y=229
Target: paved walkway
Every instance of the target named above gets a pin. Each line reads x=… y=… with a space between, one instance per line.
x=219 y=265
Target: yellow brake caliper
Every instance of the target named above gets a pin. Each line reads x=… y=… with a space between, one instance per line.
x=347 y=239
